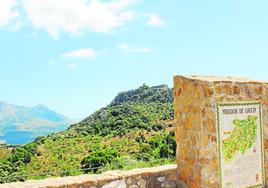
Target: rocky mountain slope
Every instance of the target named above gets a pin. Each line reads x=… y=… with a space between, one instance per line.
x=21 y=124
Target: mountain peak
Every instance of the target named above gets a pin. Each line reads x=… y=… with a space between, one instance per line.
x=2 y=103
x=41 y=106
x=145 y=94
x=28 y=122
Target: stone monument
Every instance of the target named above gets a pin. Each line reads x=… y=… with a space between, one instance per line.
x=221 y=131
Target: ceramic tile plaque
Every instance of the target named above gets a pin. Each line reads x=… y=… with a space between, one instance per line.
x=240 y=145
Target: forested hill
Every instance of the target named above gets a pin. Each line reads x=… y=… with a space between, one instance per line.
x=133 y=131
x=141 y=108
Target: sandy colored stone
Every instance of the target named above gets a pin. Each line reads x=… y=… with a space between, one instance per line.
x=204 y=92
x=214 y=164
x=169 y=184
x=236 y=90
x=227 y=89
x=204 y=140
x=178 y=92
x=197 y=152
x=218 y=89
x=185 y=174
x=219 y=79
x=189 y=161
x=259 y=90
x=194 y=184
x=188 y=122
x=265 y=144
x=193 y=139
x=117 y=184
x=210 y=125
x=142 y=183
x=134 y=186
x=208 y=92
x=213 y=138
x=108 y=179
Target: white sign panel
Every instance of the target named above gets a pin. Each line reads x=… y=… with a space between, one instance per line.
x=240 y=145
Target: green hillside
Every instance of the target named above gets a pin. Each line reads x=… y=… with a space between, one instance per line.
x=135 y=130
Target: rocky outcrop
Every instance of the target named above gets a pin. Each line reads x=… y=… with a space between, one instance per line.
x=145 y=95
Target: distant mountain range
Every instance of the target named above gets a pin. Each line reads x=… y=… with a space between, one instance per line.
x=22 y=124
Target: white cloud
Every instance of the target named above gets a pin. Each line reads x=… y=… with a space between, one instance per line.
x=81 y=53
x=76 y=16
x=72 y=66
x=2 y=141
x=124 y=46
x=8 y=11
x=155 y=20
x=17 y=26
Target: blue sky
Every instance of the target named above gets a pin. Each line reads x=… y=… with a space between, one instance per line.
x=74 y=56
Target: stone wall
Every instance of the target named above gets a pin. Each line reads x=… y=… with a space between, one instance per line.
x=195 y=101
x=156 y=177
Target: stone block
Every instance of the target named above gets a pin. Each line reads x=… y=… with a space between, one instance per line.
x=197 y=97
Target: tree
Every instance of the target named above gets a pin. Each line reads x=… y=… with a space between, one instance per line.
x=98 y=159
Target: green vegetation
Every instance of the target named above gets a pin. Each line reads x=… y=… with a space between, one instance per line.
x=118 y=120
x=5 y=150
x=12 y=166
x=242 y=137
x=133 y=131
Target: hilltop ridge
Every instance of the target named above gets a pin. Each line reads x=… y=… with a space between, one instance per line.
x=145 y=94
x=129 y=110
